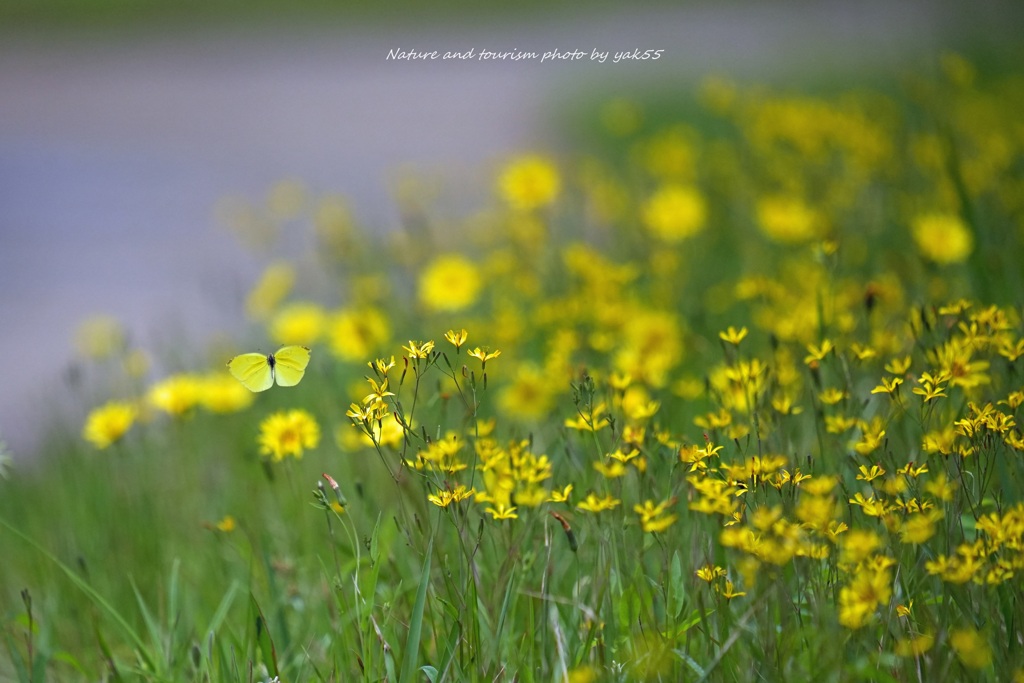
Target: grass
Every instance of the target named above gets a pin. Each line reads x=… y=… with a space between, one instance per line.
x=754 y=416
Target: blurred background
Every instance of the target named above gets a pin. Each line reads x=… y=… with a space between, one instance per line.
x=124 y=125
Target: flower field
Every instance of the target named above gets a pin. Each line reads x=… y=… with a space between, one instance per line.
x=726 y=393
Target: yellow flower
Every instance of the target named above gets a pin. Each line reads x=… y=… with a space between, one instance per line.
x=730 y=592
x=287 y=433
x=502 y=511
x=870 y=475
x=387 y=431
x=594 y=504
x=971 y=648
x=484 y=354
x=222 y=393
x=710 y=573
x=560 y=496
x=108 y=423
x=942 y=238
x=299 y=323
x=858 y=544
x=419 y=350
x=446 y=497
x=529 y=182
x=857 y=601
x=919 y=527
x=817 y=353
x=529 y=396
x=457 y=339
x=889 y=385
x=286 y=199
x=898 y=366
x=177 y=394
x=593 y=422
x=274 y=285
x=653 y=518
x=832 y=396
x=228 y=524
x=788 y=219
x=915 y=647
x=355 y=334
x=450 y=283
x=652 y=345
x=100 y=337
x=612 y=470
x=675 y=212
x=733 y=336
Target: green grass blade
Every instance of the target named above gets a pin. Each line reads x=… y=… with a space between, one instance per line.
x=412 y=644
x=151 y=623
x=93 y=595
x=16 y=658
x=501 y=616
x=450 y=648
x=264 y=643
x=222 y=608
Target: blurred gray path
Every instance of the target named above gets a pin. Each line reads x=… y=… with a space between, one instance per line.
x=113 y=154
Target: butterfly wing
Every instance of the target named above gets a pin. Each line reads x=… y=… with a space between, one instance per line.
x=252 y=370
x=290 y=364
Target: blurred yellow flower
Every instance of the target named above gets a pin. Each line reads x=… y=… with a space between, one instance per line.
x=652 y=346
x=858 y=600
x=529 y=396
x=675 y=212
x=654 y=518
x=287 y=198
x=177 y=394
x=529 y=182
x=273 y=286
x=915 y=647
x=788 y=219
x=136 y=363
x=299 y=323
x=222 y=393
x=334 y=226
x=450 y=283
x=918 y=528
x=942 y=238
x=287 y=433
x=446 y=497
x=594 y=504
x=733 y=336
x=108 y=423
x=502 y=511
x=100 y=337
x=971 y=648
x=355 y=334
x=671 y=154
x=386 y=432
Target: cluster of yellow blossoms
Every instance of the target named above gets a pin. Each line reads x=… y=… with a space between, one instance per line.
x=767 y=383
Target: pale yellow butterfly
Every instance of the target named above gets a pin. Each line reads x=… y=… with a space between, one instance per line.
x=258 y=372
